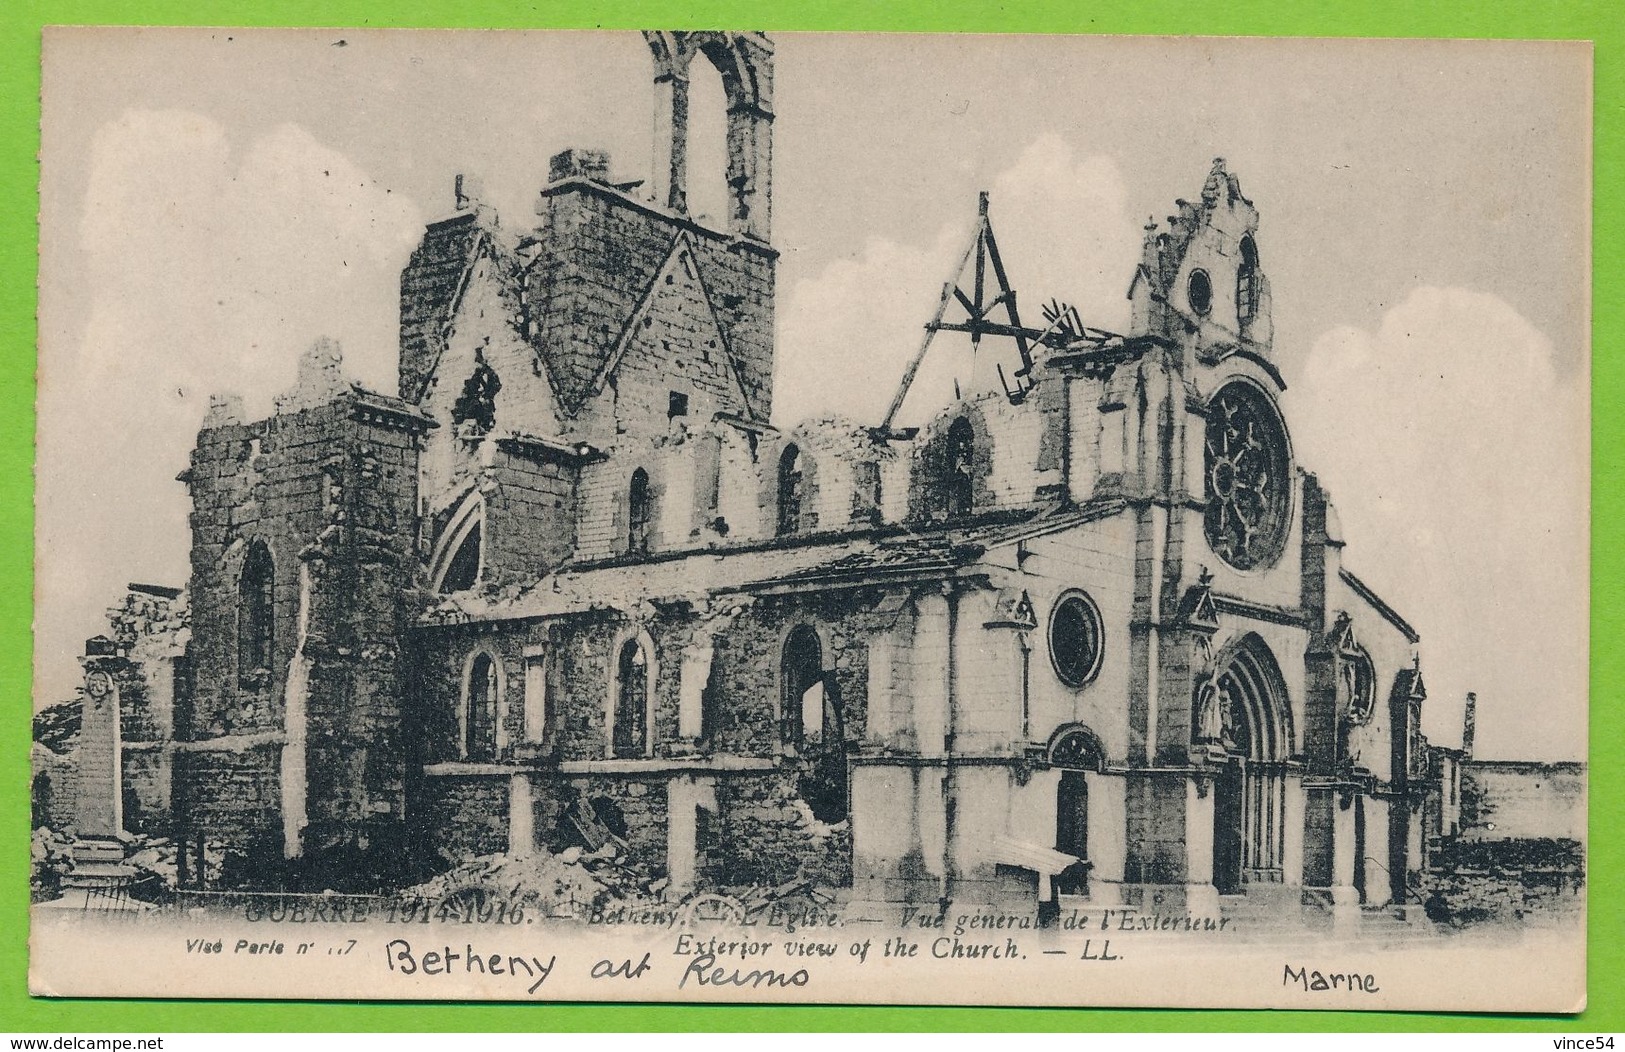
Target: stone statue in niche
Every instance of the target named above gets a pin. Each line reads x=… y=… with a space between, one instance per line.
x=1210 y=714
x=1227 y=719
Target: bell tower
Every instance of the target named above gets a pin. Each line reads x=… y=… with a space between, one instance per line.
x=1202 y=277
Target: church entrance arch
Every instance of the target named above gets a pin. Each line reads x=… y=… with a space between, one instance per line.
x=1249 y=800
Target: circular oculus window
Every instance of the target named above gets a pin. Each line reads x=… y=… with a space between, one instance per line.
x=1247 y=467
x=1199 y=291
x=1075 y=634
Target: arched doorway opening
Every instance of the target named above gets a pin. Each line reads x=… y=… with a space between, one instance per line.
x=1249 y=801
x=1076 y=752
x=1072 y=831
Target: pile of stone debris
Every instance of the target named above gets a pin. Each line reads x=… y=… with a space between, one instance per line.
x=571 y=882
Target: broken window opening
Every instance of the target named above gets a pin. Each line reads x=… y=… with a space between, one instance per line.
x=639 y=513
x=477 y=405
x=610 y=815
x=1247 y=282
x=480 y=709
x=791 y=482
x=709 y=195
x=592 y=823
x=630 y=735
x=812 y=724
x=256 y=618
x=463 y=572
x=958 y=488
x=711 y=706
x=823 y=784
x=801 y=673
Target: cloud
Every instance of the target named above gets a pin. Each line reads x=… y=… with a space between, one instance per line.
x=201 y=268
x=847 y=333
x=1462 y=464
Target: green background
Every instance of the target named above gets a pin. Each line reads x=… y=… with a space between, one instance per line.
x=20 y=26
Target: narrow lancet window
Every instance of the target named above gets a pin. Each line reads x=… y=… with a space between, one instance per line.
x=480 y=709
x=630 y=735
x=790 y=491
x=1247 y=282
x=256 y=618
x=961 y=453
x=639 y=513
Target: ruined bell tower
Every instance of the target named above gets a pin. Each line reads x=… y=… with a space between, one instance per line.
x=745 y=63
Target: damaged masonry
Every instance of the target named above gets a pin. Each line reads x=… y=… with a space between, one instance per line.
x=567 y=592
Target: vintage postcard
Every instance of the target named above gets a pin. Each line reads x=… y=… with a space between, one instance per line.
x=725 y=516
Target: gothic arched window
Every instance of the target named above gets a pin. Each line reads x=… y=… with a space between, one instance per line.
x=256 y=618
x=479 y=715
x=790 y=491
x=1247 y=282
x=958 y=486
x=639 y=513
x=630 y=735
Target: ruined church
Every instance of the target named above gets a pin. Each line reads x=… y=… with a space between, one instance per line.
x=1088 y=637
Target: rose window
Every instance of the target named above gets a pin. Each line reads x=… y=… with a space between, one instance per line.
x=1248 y=495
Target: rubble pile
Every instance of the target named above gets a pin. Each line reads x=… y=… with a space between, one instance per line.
x=56 y=727
x=50 y=862
x=556 y=883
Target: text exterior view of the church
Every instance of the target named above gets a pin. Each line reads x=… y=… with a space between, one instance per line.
x=1089 y=637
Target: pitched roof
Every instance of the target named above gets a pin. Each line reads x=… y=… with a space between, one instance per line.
x=785 y=564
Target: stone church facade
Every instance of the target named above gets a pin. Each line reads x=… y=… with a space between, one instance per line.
x=1096 y=642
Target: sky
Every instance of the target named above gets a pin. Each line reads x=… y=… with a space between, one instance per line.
x=215 y=200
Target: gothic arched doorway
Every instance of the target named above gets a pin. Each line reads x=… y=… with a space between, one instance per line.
x=1249 y=800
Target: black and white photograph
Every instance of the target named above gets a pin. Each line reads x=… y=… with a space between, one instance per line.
x=714 y=516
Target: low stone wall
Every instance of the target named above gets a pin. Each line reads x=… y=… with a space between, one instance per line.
x=1504 y=880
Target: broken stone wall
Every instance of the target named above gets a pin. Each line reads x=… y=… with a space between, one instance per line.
x=1516 y=800
x=1468 y=881
x=530 y=510
x=769 y=837
x=328 y=486
x=229 y=794
x=767 y=832
x=1015 y=460
x=458 y=818
x=146 y=788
